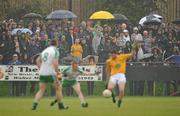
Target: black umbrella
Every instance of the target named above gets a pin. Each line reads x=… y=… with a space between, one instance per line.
x=120 y=17
x=32 y=15
x=176 y=21
x=61 y=14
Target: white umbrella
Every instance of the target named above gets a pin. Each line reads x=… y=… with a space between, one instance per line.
x=14 y=31
x=142 y=20
x=151 y=19
x=158 y=16
x=26 y=30
x=22 y=30
x=154 y=21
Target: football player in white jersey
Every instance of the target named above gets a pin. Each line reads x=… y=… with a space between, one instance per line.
x=49 y=72
x=70 y=76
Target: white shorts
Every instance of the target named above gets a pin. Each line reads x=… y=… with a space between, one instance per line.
x=117 y=78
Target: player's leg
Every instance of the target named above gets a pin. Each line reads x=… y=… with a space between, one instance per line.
x=63 y=83
x=56 y=100
x=77 y=89
x=39 y=94
x=121 y=86
x=121 y=92
x=111 y=85
x=59 y=96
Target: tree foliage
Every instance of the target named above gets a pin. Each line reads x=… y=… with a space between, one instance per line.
x=7 y=10
x=133 y=9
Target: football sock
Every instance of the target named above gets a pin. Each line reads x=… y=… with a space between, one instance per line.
x=84 y=105
x=119 y=103
x=113 y=97
x=61 y=106
x=53 y=102
x=34 y=106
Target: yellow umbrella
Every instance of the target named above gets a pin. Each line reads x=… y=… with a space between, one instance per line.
x=101 y=15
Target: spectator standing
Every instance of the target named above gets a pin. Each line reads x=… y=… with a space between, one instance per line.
x=85 y=47
x=14 y=86
x=136 y=38
x=126 y=36
x=97 y=36
x=128 y=47
x=90 y=84
x=147 y=42
x=63 y=47
x=103 y=51
x=70 y=37
x=33 y=49
x=77 y=51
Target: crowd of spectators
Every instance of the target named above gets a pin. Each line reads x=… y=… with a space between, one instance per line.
x=87 y=38
x=93 y=39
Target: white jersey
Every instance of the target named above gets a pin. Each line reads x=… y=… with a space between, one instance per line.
x=47 y=57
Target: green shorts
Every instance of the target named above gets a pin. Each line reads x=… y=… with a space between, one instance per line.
x=47 y=79
x=68 y=83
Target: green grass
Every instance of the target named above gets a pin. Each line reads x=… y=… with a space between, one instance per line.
x=98 y=106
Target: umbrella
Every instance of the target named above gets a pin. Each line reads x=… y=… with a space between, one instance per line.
x=14 y=31
x=152 y=19
x=32 y=15
x=61 y=14
x=120 y=17
x=99 y=15
x=26 y=30
x=176 y=21
x=157 y=16
x=22 y=30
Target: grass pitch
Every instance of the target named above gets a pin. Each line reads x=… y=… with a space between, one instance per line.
x=98 y=106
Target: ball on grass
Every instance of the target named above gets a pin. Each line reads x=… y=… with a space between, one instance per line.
x=107 y=93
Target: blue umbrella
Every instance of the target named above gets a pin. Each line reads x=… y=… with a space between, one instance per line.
x=61 y=14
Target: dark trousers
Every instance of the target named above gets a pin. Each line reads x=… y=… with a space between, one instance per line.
x=90 y=87
x=131 y=88
x=139 y=88
x=150 y=87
